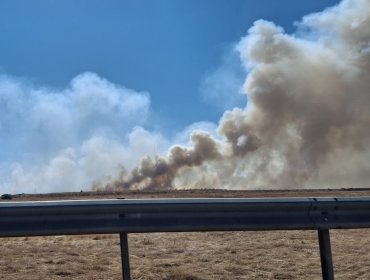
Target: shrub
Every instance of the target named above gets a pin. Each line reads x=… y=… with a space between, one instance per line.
x=6 y=196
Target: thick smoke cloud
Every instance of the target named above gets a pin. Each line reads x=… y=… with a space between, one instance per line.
x=307 y=120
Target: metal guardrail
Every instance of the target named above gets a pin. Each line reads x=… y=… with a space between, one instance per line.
x=184 y=215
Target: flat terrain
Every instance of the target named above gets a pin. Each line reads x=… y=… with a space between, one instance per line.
x=187 y=256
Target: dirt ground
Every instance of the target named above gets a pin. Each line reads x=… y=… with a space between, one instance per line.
x=187 y=256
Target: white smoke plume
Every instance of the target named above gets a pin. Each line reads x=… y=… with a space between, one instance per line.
x=307 y=120
x=56 y=140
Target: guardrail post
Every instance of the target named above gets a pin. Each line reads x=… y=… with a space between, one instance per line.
x=125 y=258
x=325 y=255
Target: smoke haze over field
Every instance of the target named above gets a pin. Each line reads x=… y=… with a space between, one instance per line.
x=306 y=122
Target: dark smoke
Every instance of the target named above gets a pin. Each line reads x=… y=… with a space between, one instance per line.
x=159 y=172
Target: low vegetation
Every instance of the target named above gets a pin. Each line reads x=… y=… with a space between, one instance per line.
x=6 y=196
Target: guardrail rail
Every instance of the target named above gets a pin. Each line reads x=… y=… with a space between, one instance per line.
x=123 y=216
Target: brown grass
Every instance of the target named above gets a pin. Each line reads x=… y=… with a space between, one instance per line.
x=187 y=256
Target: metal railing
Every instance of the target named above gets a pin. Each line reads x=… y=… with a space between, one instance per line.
x=186 y=215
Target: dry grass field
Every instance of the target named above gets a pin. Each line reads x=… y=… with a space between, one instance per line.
x=187 y=256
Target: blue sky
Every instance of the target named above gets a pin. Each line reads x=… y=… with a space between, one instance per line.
x=89 y=87
x=166 y=48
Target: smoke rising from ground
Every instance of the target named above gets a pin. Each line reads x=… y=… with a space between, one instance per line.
x=70 y=139
x=307 y=120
